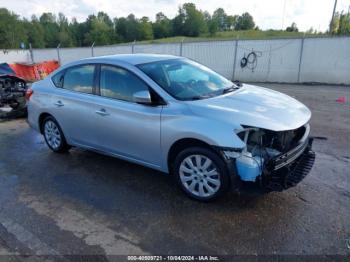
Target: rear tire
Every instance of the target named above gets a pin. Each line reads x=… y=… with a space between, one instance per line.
x=54 y=136
x=201 y=173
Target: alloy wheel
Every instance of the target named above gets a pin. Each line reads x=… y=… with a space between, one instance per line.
x=199 y=175
x=52 y=134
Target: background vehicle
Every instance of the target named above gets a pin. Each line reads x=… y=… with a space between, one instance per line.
x=12 y=92
x=177 y=116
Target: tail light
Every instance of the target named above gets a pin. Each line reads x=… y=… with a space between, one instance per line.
x=29 y=93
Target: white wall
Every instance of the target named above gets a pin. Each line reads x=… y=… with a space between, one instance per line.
x=326 y=60
x=169 y=48
x=323 y=60
x=10 y=56
x=218 y=55
x=41 y=55
x=72 y=54
x=277 y=60
x=112 y=50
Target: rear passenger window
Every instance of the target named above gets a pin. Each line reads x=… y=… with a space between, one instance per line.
x=57 y=79
x=119 y=83
x=79 y=78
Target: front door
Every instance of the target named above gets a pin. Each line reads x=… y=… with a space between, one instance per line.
x=124 y=127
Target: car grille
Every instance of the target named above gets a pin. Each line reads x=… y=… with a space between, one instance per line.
x=292 y=173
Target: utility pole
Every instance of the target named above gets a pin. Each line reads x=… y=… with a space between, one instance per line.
x=133 y=47
x=92 y=49
x=58 y=53
x=332 y=20
x=31 y=53
x=284 y=14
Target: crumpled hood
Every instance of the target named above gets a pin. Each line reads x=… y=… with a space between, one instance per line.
x=255 y=106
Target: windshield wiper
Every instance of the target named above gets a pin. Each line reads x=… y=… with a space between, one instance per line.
x=224 y=91
x=199 y=97
x=230 y=89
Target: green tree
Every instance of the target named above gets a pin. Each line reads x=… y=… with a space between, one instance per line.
x=162 y=26
x=178 y=22
x=100 y=30
x=104 y=18
x=189 y=21
x=219 y=17
x=231 y=21
x=292 y=28
x=244 y=22
x=64 y=36
x=121 y=25
x=51 y=29
x=146 y=30
x=12 y=29
x=132 y=28
x=78 y=31
x=344 y=24
x=212 y=27
x=35 y=33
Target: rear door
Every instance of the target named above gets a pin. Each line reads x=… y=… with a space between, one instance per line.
x=124 y=127
x=74 y=104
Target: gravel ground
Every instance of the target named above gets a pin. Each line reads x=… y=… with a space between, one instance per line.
x=83 y=203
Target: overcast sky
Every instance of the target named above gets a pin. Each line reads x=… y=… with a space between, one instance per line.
x=267 y=13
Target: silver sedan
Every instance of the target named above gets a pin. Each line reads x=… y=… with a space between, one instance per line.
x=177 y=116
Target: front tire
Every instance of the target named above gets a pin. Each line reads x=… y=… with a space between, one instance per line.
x=54 y=136
x=201 y=173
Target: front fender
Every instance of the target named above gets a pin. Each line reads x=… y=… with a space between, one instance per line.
x=180 y=125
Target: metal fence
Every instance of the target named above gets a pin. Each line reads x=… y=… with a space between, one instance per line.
x=323 y=60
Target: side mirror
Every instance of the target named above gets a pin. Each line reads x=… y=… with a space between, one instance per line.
x=142 y=97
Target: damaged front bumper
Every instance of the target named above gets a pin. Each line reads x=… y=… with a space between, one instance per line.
x=274 y=173
x=289 y=169
x=12 y=96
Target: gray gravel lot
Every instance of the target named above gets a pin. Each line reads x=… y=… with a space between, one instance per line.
x=86 y=203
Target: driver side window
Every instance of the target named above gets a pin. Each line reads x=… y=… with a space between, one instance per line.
x=119 y=83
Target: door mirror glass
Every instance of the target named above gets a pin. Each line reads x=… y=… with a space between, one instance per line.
x=142 y=97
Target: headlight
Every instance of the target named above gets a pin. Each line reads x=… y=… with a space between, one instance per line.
x=243 y=133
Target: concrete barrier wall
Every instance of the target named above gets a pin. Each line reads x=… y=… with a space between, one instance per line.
x=111 y=50
x=275 y=61
x=323 y=60
x=171 y=49
x=11 y=56
x=218 y=55
x=326 y=61
x=72 y=54
x=40 y=55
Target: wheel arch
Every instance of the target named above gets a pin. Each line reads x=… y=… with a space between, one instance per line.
x=184 y=143
x=41 y=119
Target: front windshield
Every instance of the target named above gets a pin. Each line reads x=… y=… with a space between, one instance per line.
x=186 y=80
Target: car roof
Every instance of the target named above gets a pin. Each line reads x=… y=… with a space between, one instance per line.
x=134 y=59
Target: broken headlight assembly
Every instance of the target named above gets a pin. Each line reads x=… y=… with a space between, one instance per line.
x=257 y=152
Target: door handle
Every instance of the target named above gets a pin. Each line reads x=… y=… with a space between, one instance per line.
x=59 y=103
x=102 y=112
